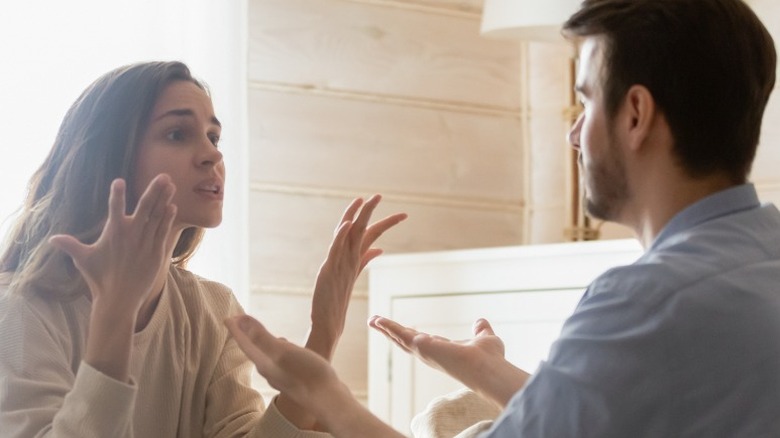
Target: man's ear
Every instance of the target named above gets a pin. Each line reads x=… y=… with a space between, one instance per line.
x=640 y=113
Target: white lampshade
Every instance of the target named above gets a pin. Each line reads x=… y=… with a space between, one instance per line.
x=535 y=20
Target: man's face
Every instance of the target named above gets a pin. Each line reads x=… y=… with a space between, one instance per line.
x=602 y=167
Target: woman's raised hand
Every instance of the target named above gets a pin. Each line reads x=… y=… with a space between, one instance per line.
x=121 y=266
x=350 y=251
x=308 y=379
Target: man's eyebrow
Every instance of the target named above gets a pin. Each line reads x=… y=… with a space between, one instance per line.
x=183 y=112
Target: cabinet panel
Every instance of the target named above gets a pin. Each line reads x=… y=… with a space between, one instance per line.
x=527 y=321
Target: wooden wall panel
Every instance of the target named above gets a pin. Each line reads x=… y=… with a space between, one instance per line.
x=352 y=97
x=468 y=6
x=291 y=234
x=344 y=45
x=365 y=146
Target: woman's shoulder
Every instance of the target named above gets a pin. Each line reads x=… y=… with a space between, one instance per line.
x=30 y=304
x=32 y=326
x=202 y=292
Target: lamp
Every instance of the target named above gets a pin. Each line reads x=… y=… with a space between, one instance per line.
x=541 y=21
x=529 y=20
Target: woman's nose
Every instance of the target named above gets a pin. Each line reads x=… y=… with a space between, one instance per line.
x=211 y=155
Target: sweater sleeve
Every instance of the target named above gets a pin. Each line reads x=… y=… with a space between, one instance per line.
x=40 y=395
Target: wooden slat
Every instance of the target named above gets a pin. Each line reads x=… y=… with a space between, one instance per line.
x=290 y=234
x=310 y=140
x=471 y=7
x=343 y=45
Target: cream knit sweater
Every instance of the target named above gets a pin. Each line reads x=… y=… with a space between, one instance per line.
x=189 y=378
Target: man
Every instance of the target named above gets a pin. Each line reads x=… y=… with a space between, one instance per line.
x=685 y=341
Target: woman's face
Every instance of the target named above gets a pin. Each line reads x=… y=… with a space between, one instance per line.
x=181 y=140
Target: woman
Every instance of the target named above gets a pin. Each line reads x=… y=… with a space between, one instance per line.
x=103 y=331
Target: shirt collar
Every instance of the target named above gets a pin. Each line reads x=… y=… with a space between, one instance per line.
x=731 y=200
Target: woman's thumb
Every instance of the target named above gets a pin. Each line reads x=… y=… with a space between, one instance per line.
x=68 y=244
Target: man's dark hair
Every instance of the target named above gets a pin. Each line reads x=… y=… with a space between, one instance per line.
x=709 y=64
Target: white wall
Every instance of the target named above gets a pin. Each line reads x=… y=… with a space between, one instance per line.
x=52 y=50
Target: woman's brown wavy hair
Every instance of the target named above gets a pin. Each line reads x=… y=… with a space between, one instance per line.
x=97 y=142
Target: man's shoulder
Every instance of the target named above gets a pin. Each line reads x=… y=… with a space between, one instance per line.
x=715 y=253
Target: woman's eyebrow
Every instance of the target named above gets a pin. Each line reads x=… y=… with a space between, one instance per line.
x=184 y=112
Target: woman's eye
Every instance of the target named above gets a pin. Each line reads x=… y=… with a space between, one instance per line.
x=214 y=139
x=175 y=135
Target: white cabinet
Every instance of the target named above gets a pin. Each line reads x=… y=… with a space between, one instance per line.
x=526 y=292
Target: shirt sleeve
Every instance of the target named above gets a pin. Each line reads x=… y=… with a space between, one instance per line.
x=591 y=386
x=41 y=396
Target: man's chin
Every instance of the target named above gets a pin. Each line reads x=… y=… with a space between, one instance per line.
x=598 y=210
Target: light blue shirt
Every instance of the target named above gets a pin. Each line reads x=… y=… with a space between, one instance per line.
x=683 y=343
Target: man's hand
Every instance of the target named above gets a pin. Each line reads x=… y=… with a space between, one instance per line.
x=477 y=362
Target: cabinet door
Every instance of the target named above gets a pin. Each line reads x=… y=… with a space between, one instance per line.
x=527 y=321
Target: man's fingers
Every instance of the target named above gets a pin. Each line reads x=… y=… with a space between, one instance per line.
x=482 y=327
x=372 y=323
x=399 y=334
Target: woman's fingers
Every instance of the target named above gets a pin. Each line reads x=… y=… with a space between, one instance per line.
x=164 y=229
x=378 y=228
x=251 y=338
x=116 y=199
x=163 y=212
x=157 y=193
x=70 y=245
x=154 y=214
x=349 y=213
x=365 y=213
x=339 y=237
x=353 y=234
x=369 y=255
x=359 y=229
